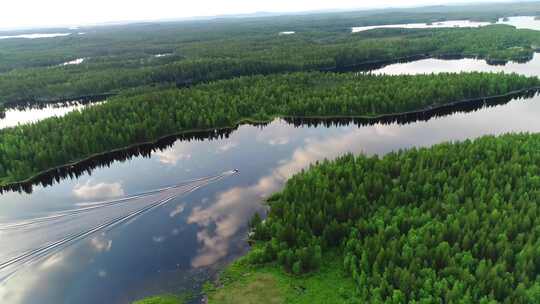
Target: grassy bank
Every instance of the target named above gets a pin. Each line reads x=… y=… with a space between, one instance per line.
x=243 y=282
x=164 y=299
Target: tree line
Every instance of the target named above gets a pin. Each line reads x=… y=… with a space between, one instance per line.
x=145 y=114
x=454 y=223
x=222 y=57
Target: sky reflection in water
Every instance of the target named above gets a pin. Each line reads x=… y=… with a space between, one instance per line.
x=520 y=22
x=178 y=246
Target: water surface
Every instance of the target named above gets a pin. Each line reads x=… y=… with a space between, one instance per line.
x=74 y=61
x=176 y=247
x=36 y=35
x=520 y=22
x=433 y=65
x=26 y=115
x=442 y=24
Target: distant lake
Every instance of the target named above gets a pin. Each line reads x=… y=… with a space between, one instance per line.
x=442 y=24
x=428 y=66
x=36 y=35
x=25 y=115
x=74 y=61
x=521 y=22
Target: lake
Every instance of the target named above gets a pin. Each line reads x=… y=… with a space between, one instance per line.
x=169 y=220
x=25 y=115
x=74 y=62
x=433 y=65
x=520 y=22
x=442 y=24
x=36 y=35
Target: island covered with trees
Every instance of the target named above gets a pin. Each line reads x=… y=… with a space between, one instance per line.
x=147 y=114
x=454 y=223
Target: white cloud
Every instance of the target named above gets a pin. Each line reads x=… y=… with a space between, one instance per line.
x=100 y=244
x=172 y=156
x=179 y=209
x=52 y=261
x=275 y=134
x=158 y=239
x=88 y=191
x=227 y=146
x=278 y=141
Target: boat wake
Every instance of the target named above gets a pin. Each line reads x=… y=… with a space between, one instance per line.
x=29 y=241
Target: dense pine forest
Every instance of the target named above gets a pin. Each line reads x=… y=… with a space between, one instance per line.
x=116 y=43
x=187 y=53
x=454 y=223
x=140 y=116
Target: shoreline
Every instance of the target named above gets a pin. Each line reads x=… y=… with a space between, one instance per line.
x=365 y=66
x=64 y=169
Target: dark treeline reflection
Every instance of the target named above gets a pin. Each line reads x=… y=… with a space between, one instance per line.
x=411 y=117
x=62 y=102
x=49 y=177
x=379 y=64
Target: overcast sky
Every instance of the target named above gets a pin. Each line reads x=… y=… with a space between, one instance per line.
x=26 y=13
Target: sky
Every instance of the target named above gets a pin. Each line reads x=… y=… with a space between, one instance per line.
x=32 y=13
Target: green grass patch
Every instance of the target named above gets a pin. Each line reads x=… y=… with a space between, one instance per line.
x=243 y=283
x=163 y=299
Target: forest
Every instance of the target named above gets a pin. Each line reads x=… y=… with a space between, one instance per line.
x=453 y=223
x=137 y=41
x=237 y=50
x=144 y=115
x=457 y=222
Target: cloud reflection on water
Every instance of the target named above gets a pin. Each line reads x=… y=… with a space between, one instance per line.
x=179 y=209
x=227 y=146
x=221 y=221
x=100 y=244
x=97 y=191
x=173 y=155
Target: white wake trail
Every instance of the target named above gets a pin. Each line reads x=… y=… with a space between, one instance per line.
x=31 y=240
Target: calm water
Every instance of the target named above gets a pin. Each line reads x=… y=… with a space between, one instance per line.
x=427 y=66
x=521 y=22
x=36 y=36
x=443 y=24
x=16 y=116
x=74 y=62
x=191 y=233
